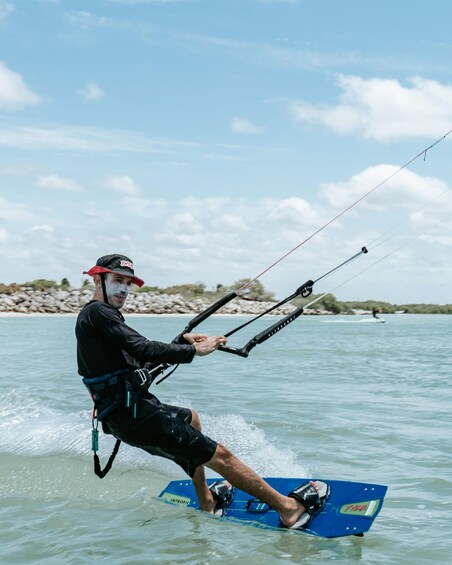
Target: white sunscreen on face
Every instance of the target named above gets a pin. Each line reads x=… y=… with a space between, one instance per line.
x=114 y=288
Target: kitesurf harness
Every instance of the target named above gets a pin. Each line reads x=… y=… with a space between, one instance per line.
x=122 y=387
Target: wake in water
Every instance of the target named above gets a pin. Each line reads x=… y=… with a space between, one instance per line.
x=250 y=445
x=27 y=427
x=343 y=321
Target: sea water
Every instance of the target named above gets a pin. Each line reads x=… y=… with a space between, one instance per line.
x=328 y=397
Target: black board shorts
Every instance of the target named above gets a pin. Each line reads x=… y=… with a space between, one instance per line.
x=163 y=430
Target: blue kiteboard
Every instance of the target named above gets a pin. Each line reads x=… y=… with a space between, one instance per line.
x=350 y=508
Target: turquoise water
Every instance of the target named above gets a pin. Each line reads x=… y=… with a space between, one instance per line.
x=331 y=397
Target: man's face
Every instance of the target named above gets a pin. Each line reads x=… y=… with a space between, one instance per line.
x=117 y=288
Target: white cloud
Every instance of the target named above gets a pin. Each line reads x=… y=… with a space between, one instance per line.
x=445 y=241
x=221 y=240
x=383 y=109
x=91 y=92
x=86 y=20
x=147 y=208
x=136 y=2
x=171 y=152
x=185 y=224
x=241 y=125
x=42 y=227
x=17 y=170
x=229 y=222
x=85 y=139
x=212 y=206
x=4 y=235
x=405 y=190
x=292 y=211
x=55 y=182
x=6 y=9
x=13 y=212
x=123 y=184
x=14 y=93
x=277 y=1
x=276 y=55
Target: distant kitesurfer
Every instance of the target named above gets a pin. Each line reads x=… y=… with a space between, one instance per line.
x=114 y=360
x=375 y=312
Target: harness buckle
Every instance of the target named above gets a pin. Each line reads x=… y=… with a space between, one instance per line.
x=143 y=376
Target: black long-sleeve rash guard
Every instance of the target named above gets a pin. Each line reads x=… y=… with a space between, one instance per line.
x=105 y=343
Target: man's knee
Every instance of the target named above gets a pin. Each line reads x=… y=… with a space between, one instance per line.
x=195 y=421
x=221 y=458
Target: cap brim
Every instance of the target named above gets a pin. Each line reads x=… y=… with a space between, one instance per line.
x=96 y=270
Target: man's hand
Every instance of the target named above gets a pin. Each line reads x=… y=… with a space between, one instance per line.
x=194 y=338
x=205 y=344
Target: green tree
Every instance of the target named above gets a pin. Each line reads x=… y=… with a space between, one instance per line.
x=186 y=290
x=330 y=303
x=41 y=284
x=254 y=291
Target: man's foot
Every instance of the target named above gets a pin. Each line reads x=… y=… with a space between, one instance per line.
x=222 y=493
x=304 y=501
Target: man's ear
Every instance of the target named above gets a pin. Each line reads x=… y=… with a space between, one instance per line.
x=96 y=279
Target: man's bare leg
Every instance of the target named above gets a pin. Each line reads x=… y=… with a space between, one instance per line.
x=241 y=476
x=205 y=497
x=228 y=466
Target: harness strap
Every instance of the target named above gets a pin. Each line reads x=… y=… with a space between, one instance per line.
x=95 y=446
x=97 y=468
x=108 y=392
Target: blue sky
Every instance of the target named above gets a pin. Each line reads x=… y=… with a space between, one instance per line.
x=206 y=138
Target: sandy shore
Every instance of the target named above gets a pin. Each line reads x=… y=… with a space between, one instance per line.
x=126 y=315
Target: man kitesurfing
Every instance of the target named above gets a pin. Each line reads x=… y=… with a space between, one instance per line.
x=115 y=362
x=118 y=365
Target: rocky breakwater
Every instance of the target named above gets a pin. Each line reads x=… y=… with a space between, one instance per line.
x=59 y=301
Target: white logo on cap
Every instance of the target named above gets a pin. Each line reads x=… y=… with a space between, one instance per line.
x=127 y=264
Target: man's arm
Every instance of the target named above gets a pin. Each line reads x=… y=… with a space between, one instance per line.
x=110 y=323
x=203 y=343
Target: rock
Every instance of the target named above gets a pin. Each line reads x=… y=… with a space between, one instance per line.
x=70 y=301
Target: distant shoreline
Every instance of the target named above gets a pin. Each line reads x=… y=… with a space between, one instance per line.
x=57 y=301
x=12 y=314
x=26 y=301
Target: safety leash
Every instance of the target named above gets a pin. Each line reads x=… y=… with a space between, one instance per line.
x=95 y=447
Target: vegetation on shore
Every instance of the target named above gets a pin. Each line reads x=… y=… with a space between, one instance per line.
x=255 y=291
